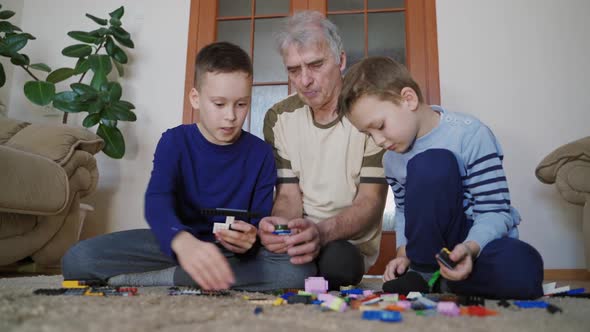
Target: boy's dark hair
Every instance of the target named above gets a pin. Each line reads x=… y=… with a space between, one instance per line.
x=221 y=57
x=381 y=77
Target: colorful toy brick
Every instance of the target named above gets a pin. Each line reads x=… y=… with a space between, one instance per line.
x=316 y=285
x=448 y=309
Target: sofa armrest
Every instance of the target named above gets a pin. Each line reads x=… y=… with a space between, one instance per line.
x=573 y=181
x=56 y=142
x=31 y=184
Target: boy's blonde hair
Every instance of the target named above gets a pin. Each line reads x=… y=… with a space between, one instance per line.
x=381 y=77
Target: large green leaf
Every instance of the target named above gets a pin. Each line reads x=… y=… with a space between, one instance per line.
x=98 y=80
x=82 y=36
x=82 y=66
x=115 y=91
x=6 y=14
x=100 y=63
x=115 y=22
x=125 y=42
x=96 y=107
x=60 y=74
x=114 y=141
x=99 y=21
x=41 y=67
x=16 y=43
x=2 y=76
x=118 y=13
x=120 y=69
x=82 y=89
x=77 y=51
x=122 y=112
x=67 y=101
x=115 y=51
x=20 y=59
x=6 y=26
x=39 y=92
x=91 y=120
x=127 y=104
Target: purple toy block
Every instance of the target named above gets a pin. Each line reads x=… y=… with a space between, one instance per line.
x=316 y=285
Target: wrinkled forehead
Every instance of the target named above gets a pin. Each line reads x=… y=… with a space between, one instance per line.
x=310 y=51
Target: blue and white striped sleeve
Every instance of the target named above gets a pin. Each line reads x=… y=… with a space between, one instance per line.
x=399 y=195
x=486 y=181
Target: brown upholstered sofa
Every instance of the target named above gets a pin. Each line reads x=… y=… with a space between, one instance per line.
x=569 y=168
x=44 y=171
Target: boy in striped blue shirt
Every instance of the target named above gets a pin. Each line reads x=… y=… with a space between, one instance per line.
x=445 y=170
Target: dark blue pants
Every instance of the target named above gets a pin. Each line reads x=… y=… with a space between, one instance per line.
x=506 y=267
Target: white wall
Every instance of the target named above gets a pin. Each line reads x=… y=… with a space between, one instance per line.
x=154 y=82
x=522 y=67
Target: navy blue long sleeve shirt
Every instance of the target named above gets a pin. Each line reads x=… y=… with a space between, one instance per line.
x=191 y=173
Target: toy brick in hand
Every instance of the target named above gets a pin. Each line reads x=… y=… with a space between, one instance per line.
x=282 y=230
x=445 y=259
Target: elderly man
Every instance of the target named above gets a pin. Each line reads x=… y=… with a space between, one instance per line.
x=331 y=188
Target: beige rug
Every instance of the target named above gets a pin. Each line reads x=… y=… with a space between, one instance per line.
x=154 y=310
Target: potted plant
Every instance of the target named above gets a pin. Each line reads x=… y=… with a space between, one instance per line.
x=96 y=53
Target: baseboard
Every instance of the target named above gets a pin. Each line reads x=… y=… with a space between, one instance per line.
x=566 y=274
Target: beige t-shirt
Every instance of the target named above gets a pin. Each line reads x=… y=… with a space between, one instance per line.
x=328 y=161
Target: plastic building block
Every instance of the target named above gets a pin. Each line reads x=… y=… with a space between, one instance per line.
x=391 y=316
x=476 y=310
x=258 y=310
x=448 y=309
x=355 y=291
x=196 y=291
x=382 y=315
x=335 y=304
x=413 y=295
x=282 y=230
x=427 y=302
x=367 y=292
x=553 y=308
x=372 y=315
x=531 y=304
x=390 y=297
x=471 y=300
x=504 y=303
x=47 y=291
x=426 y=313
x=316 y=285
x=395 y=307
x=404 y=304
x=299 y=299
x=443 y=257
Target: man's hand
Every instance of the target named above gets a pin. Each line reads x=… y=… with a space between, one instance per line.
x=395 y=268
x=239 y=239
x=305 y=245
x=272 y=242
x=203 y=262
x=462 y=254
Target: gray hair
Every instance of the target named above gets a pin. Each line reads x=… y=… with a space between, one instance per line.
x=307 y=27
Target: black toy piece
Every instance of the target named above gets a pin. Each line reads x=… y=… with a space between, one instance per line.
x=242 y=214
x=443 y=257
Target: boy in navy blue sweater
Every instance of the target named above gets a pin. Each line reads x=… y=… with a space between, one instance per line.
x=450 y=190
x=208 y=165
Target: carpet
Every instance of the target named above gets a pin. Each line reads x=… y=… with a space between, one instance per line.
x=154 y=310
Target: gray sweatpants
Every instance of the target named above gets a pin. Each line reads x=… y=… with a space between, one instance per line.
x=137 y=251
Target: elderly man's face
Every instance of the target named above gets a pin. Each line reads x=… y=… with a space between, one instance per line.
x=314 y=73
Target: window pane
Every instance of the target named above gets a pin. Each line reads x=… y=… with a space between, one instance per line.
x=234 y=8
x=268 y=64
x=379 y=4
x=345 y=5
x=387 y=35
x=263 y=97
x=237 y=32
x=264 y=7
x=351 y=27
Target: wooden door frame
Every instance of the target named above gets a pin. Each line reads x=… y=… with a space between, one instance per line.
x=421 y=43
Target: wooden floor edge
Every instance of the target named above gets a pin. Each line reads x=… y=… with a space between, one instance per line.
x=566 y=274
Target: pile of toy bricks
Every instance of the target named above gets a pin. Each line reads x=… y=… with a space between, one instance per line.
x=389 y=307
x=87 y=288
